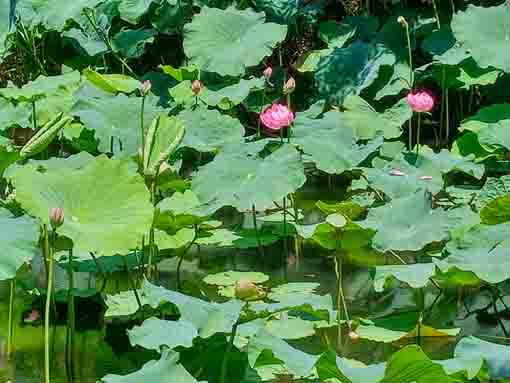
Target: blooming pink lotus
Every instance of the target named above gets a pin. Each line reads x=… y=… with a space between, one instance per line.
x=277 y=116
x=421 y=100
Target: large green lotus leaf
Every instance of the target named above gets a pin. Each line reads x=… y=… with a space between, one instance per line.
x=495 y=355
x=291 y=328
x=497 y=211
x=336 y=34
x=209 y=130
x=241 y=178
x=5 y=9
x=297 y=362
x=415 y=275
x=171 y=15
x=112 y=83
x=117 y=116
x=493 y=115
x=54 y=14
x=349 y=70
x=293 y=295
x=410 y=223
x=106 y=204
x=367 y=122
x=286 y=11
x=488 y=43
x=228 y=41
x=131 y=43
x=19 y=238
x=379 y=334
x=489 y=265
x=164 y=370
x=181 y=238
x=411 y=365
x=41 y=87
x=447 y=162
x=443 y=47
x=13 y=115
x=332 y=145
x=493 y=188
x=179 y=210
x=133 y=10
x=333 y=367
x=155 y=333
x=309 y=61
x=230 y=96
x=8 y=155
x=391 y=81
x=478 y=236
x=87 y=40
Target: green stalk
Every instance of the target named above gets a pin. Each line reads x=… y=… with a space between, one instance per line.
x=226 y=356
x=71 y=324
x=49 y=290
x=411 y=78
x=443 y=101
x=132 y=282
x=418 y=131
x=142 y=132
x=10 y=335
x=34 y=116
x=436 y=14
x=285 y=238
x=257 y=236
x=447 y=120
x=184 y=252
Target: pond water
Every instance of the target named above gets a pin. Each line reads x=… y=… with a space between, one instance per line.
x=102 y=347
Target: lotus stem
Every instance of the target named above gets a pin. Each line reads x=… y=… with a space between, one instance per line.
x=257 y=235
x=340 y=298
x=181 y=258
x=132 y=282
x=447 y=120
x=226 y=356
x=70 y=313
x=436 y=14
x=48 y=306
x=10 y=334
x=285 y=238
x=418 y=132
x=142 y=133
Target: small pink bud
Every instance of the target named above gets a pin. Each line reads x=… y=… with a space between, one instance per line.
x=397 y=173
x=402 y=21
x=268 y=72
x=421 y=100
x=145 y=87
x=277 y=117
x=196 y=87
x=353 y=335
x=289 y=86
x=56 y=217
x=33 y=316
x=426 y=178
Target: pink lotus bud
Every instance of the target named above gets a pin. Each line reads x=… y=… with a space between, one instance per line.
x=402 y=21
x=396 y=172
x=56 y=217
x=353 y=335
x=426 y=178
x=145 y=87
x=246 y=289
x=421 y=100
x=268 y=72
x=33 y=316
x=276 y=117
x=196 y=87
x=289 y=86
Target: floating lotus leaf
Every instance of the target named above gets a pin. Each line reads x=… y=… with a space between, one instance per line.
x=415 y=275
x=19 y=238
x=331 y=145
x=164 y=370
x=209 y=130
x=379 y=334
x=178 y=240
x=106 y=204
x=410 y=223
x=230 y=278
x=117 y=117
x=241 y=178
x=489 y=43
x=349 y=70
x=155 y=333
x=228 y=41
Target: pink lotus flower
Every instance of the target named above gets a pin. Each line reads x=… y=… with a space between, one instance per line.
x=196 y=87
x=268 y=72
x=145 y=87
x=277 y=116
x=33 y=316
x=56 y=217
x=421 y=100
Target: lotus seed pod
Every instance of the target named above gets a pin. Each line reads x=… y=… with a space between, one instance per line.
x=145 y=87
x=289 y=86
x=56 y=217
x=402 y=21
x=196 y=87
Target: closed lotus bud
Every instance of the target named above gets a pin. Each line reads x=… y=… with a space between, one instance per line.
x=268 y=72
x=196 y=87
x=56 y=217
x=397 y=173
x=246 y=289
x=145 y=87
x=402 y=21
x=353 y=335
x=289 y=86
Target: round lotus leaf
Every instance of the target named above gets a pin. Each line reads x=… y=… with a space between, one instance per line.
x=106 y=204
x=230 y=278
x=228 y=41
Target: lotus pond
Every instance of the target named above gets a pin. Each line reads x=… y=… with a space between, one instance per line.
x=247 y=191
